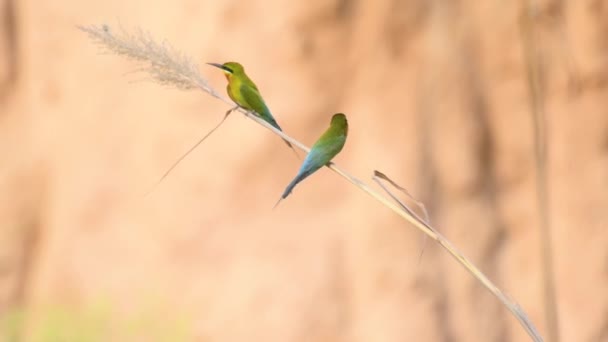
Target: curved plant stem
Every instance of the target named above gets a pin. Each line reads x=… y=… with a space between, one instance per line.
x=167 y=66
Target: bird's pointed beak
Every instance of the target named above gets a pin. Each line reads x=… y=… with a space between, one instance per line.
x=220 y=66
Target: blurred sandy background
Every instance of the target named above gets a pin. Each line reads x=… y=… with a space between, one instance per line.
x=439 y=97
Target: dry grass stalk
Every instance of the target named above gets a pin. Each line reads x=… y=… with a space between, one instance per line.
x=169 y=67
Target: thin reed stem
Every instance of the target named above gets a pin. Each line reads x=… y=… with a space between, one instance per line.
x=167 y=66
x=536 y=87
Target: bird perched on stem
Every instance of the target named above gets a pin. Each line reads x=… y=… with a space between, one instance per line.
x=322 y=152
x=245 y=93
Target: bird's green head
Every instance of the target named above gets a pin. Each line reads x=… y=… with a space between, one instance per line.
x=229 y=68
x=339 y=121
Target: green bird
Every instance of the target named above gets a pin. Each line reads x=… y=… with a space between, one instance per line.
x=322 y=152
x=245 y=93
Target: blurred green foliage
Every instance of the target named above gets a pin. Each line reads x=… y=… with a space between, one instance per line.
x=96 y=323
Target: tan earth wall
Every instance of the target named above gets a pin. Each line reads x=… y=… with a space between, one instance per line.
x=440 y=96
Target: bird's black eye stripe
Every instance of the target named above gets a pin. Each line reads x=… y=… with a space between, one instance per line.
x=227 y=69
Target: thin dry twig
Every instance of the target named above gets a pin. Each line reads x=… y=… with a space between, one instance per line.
x=157 y=60
x=200 y=141
x=378 y=178
x=536 y=87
